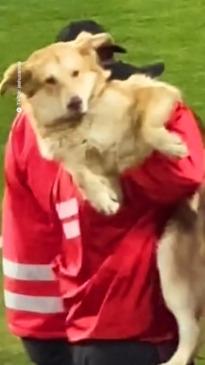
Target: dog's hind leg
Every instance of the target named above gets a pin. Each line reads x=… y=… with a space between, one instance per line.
x=188 y=337
x=179 y=297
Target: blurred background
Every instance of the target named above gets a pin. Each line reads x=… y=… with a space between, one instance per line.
x=152 y=30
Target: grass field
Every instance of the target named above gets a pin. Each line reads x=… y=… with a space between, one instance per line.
x=173 y=31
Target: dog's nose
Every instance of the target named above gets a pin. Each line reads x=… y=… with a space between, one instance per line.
x=75 y=103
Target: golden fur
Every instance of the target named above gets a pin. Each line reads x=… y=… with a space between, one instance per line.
x=181 y=264
x=119 y=124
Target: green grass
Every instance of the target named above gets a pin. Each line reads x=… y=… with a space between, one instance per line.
x=151 y=30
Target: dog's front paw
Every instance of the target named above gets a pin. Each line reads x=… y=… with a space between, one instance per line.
x=174 y=147
x=106 y=201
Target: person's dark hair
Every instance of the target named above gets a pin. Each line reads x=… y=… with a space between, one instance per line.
x=71 y=31
x=120 y=70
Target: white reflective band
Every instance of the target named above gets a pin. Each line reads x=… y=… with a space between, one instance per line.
x=72 y=229
x=33 y=304
x=67 y=208
x=27 y=272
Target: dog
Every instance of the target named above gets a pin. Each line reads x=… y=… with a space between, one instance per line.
x=98 y=128
x=70 y=101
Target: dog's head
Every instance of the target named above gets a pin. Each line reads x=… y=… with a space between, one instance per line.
x=60 y=80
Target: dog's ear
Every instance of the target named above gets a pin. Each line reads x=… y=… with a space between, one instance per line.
x=86 y=41
x=16 y=76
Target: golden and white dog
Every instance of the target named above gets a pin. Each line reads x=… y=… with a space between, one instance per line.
x=97 y=128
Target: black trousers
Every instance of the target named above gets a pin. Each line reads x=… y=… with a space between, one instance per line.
x=115 y=353
x=59 y=352
x=121 y=353
x=48 y=352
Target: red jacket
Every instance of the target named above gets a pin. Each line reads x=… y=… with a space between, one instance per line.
x=107 y=265
x=32 y=237
x=109 y=279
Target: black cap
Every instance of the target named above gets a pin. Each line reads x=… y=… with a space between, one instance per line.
x=71 y=31
x=121 y=70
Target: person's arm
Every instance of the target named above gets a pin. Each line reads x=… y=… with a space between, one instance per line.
x=34 y=173
x=52 y=189
x=65 y=202
x=167 y=180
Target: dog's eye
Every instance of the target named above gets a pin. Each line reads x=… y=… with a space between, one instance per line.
x=75 y=73
x=51 y=80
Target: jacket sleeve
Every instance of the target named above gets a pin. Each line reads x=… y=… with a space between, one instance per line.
x=167 y=180
x=32 y=173
x=66 y=201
